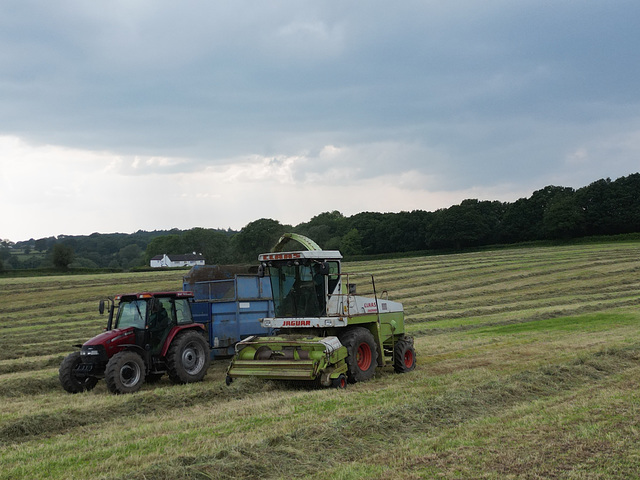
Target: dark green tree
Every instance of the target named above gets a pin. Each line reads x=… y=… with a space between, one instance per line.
x=470 y=224
x=611 y=207
x=562 y=218
x=369 y=225
x=255 y=238
x=407 y=231
x=131 y=256
x=5 y=251
x=351 y=243
x=326 y=229
x=169 y=244
x=62 y=255
x=215 y=245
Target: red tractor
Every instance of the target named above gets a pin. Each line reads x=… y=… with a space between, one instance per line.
x=147 y=335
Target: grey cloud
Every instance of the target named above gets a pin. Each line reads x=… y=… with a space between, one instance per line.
x=470 y=92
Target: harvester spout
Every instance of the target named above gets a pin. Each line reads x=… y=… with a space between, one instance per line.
x=301 y=239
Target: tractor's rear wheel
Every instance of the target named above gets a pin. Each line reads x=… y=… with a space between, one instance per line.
x=71 y=382
x=404 y=356
x=125 y=372
x=363 y=354
x=188 y=358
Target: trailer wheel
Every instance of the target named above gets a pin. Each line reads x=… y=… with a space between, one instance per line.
x=340 y=382
x=188 y=358
x=69 y=380
x=125 y=372
x=404 y=356
x=363 y=354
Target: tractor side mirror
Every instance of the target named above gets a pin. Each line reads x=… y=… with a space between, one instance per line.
x=101 y=307
x=261 y=270
x=324 y=268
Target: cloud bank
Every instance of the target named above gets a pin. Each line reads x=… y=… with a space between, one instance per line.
x=118 y=116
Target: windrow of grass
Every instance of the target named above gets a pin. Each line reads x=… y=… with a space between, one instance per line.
x=528 y=367
x=370 y=429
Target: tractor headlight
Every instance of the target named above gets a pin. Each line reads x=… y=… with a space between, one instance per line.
x=266 y=323
x=93 y=354
x=328 y=322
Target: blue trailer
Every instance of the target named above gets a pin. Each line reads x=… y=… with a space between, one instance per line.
x=229 y=301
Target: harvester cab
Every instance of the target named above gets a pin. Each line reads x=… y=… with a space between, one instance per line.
x=326 y=332
x=147 y=335
x=303 y=283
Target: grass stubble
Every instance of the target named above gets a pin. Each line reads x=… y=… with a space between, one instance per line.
x=507 y=385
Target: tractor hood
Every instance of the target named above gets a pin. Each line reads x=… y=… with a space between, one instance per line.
x=108 y=343
x=116 y=336
x=102 y=347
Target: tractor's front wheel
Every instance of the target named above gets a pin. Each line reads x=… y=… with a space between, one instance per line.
x=71 y=382
x=404 y=356
x=188 y=358
x=125 y=372
x=362 y=358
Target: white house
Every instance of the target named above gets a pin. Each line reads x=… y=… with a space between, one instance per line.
x=187 y=260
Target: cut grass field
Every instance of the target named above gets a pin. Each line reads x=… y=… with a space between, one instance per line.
x=528 y=367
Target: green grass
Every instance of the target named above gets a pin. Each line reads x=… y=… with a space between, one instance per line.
x=528 y=367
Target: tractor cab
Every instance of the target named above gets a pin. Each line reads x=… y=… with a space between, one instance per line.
x=152 y=316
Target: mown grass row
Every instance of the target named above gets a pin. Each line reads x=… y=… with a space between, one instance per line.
x=22 y=295
x=594 y=280
x=528 y=366
x=373 y=430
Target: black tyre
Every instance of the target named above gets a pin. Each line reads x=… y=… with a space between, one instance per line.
x=340 y=382
x=188 y=358
x=69 y=380
x=404 y=356
x=363 y=354
x=125 y=372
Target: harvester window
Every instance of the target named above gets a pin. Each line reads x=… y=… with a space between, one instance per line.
x=132 y=314
x=298 y=291
x=334 y=276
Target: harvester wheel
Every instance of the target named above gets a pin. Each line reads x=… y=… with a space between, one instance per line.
x=340 y=382
x=125 y=372
x=363 y=354
x=404 y=356
x=70 y=382
x=188 y=358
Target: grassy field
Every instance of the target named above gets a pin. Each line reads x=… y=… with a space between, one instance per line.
x=528 y=367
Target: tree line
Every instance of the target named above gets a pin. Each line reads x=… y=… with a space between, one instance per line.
x=604 y=207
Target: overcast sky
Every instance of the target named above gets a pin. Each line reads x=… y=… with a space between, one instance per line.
x=117 y=116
